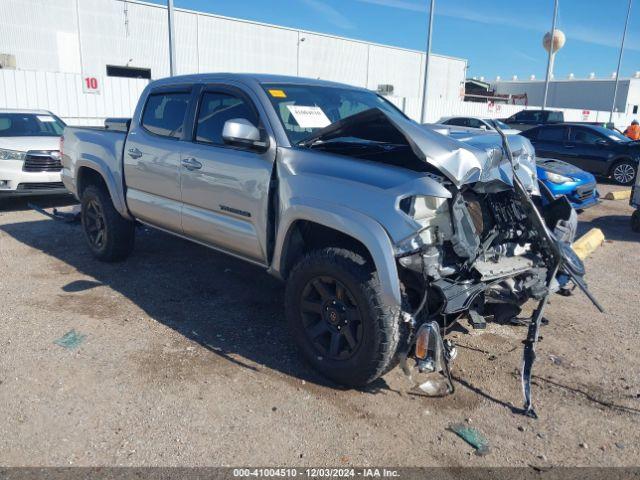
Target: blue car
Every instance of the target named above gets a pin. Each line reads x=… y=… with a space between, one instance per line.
x=560 y=178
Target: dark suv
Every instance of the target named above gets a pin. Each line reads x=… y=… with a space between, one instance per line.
x=595 y=149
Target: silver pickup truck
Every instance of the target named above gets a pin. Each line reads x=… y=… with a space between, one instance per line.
x=385 y=232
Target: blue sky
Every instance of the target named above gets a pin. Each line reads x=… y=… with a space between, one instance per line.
x=498 y=37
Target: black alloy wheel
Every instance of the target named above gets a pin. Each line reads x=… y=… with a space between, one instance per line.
x=331 y=318
x=94 y=224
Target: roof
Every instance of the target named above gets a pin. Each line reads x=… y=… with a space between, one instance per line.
x=260 y=78
x=25 y=110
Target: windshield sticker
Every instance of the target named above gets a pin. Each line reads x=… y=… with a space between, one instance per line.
x=309 y=117
x=277 y=93
x=46 y=118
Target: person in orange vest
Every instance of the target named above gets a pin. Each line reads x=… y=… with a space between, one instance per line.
x=633 y=131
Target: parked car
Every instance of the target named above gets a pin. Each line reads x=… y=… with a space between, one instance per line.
x=556 y=178
x=29 y=153
x=477 y=122
x=385 y=232
x=560 y=178
x=595 y=149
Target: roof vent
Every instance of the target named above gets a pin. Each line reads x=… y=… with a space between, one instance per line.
x=592 y=75
x=571 y=76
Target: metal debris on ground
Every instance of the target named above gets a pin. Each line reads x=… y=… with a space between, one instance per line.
x=70 y=340
x=472 y=436
x=67 y=215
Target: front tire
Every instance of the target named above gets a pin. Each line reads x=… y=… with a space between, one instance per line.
x=335 y=311
x=109 y=235
x=624 y=172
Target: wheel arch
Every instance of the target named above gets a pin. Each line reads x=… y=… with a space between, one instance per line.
x=95 y=174
x=305 y=227
x=621 y=158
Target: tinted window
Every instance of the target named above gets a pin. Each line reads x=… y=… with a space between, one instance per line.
x=475 y=123
x=584 y=135
x=460 y=122
x=164 y=113
x=551 y=134
x=215 y=110
x=529 y=116
x=30 y=125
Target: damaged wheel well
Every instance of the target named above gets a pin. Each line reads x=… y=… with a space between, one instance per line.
x=305 y=236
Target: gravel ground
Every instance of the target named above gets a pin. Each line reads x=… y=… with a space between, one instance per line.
x=186 y=360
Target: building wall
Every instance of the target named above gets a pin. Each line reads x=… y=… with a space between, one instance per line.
x=582 y=94
x=83 y=36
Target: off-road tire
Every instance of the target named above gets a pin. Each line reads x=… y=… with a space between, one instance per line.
x=119 y=233
x=380 y=332
x=627 y=166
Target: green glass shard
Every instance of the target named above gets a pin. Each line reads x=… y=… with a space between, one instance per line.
x=70 y=340
x=472 y=436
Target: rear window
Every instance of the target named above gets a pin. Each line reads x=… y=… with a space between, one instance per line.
x=555 y=117
x=164 y=113
x=30 y=125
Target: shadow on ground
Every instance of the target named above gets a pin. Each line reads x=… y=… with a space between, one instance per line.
x=230 y=307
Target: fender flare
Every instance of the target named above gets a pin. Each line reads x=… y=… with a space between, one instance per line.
x=114 y=183
x=350 y=222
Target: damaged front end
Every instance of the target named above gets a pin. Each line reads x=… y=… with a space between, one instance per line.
x=481 y=255
x=478 y=252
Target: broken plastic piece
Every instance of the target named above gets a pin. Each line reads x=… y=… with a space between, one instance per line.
x=472 y=436
x=70 y=340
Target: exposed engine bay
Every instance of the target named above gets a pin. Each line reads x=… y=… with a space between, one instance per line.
x=478 y=254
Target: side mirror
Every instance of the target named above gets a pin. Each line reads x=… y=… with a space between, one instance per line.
x=241 y=132
x=602 y=141
x=483 y=127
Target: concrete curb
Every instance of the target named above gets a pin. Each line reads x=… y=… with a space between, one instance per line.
x=618 y=195
x=588 y=243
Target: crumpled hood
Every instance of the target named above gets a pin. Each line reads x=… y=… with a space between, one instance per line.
x=474 y=160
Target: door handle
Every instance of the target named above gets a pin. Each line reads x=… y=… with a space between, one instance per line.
x=569 y=146
x=191 y=164
x=134 y=153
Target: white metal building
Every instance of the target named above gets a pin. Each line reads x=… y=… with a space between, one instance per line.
x=100 y=40
x=586 y=94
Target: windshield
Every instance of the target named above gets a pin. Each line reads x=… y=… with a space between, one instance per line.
x=614 y=135
x=30 y=125
x=305 y=109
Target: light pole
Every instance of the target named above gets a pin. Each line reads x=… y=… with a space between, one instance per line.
x=172 y=36
x=423 y=116
x=615 y=85
x=550 y=49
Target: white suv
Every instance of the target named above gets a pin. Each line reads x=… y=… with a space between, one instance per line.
x=29 y=153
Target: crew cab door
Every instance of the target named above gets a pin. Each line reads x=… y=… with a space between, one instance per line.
x=590 y=149
x=225 y=187
x=152 y=156
x=549 y=141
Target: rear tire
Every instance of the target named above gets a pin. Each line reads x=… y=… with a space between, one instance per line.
x=109 y=235
x=336 y=314
x=624 y=172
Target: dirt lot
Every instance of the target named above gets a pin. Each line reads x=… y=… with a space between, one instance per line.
x=186 y=361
